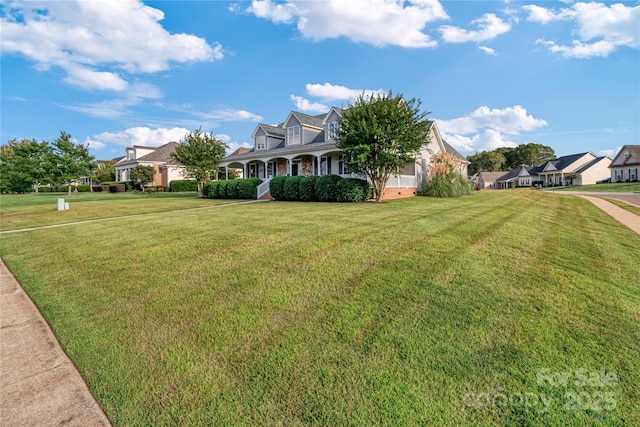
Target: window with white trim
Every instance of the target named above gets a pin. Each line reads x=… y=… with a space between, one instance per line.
x=293 y=135
x=325 y=165
x=343 y=167
x=334 y=129
x=633 y=174
x=261 y=142
x=618 y=174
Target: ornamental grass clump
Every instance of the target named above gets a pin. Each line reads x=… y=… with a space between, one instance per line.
x=444 y=177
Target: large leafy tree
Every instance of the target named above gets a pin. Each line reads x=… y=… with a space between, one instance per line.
x=105 y=172
x=200 y=153
x=533 y=154
x=486 y=161
x=71 y=161
x=142 y=175
x=25 y=164
x=380 y=134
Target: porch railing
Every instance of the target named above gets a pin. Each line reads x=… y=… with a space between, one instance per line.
x=263 y=188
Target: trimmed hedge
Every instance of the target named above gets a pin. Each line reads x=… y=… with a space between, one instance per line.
x=352 y=190
x=182 y=185
x=326 y=188
x=308 y=188
x=128 y=185
x=117 y=188
x=232 y=189
x=83 y=188
x=291 y=188
x=44 y=190
x=276 y=187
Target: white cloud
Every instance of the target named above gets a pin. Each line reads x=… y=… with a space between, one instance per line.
x=304 y=104
x=485 y=128
x=601 y=29
x=376 y=22
x=487 y=50
x=329 y=92
x=139 y=136
x=93 y=41
x=232 y=145
x=490 y=26
x=611 y=152
x=119 y=107
x=96 y=145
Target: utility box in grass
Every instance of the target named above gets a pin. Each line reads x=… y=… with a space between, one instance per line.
x=62 y=205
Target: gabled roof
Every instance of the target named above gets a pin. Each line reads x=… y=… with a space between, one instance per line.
x=512 y=174
x=591 y=163
x=269 y=130
x=491 y=176
x=450 y=149
x=161 y=154
x=337 y=110
x=307 y=120
x=632 y=159
x=562 y=162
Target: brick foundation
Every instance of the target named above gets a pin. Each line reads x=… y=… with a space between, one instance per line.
x=399 y=193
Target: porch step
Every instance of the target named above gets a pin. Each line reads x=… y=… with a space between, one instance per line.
x=266 y=196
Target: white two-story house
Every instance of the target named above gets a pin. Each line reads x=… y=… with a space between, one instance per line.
x=306 y=145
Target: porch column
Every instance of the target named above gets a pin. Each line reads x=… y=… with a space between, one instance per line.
x=288 y=167
x=226 y=173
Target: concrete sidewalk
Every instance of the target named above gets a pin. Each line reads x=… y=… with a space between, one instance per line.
x=39 y=385
x=627 y=218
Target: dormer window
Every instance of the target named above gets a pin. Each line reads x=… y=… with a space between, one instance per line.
x=293 y=135
x=261 y=142
x=626 y=155
x=334 y=129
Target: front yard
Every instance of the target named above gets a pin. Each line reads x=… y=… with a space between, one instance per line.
x=413 y=312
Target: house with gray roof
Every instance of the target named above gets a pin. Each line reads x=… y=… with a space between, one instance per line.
x=306 y=145
x=166 y=169
x=574 y=169
x=625 y=164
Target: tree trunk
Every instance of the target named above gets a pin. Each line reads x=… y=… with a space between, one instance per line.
x=69 y=190
x=200 y=189
x=37 y=185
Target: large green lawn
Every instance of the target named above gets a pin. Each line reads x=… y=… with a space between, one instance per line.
x=412 y=312
x=611 y=187
x=19 y=211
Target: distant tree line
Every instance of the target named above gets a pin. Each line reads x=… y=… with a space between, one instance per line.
x=508 y=158
x=25 y=165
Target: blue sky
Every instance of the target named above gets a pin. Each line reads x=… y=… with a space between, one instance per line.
x=493 y=73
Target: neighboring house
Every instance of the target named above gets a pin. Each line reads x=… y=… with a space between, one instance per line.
x=625 y=165
x=159 y=158
x=305 y=145
x=575 y=169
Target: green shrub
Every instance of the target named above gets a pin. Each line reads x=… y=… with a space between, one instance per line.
x=231 y=191
x=205 y=189
x=352 y=190
x=182 y=185
x=291 y=188
x=150 y=189
x=248 y=188
x=44 y=190
x=276 y=187
x=451 y=185
x=128 y=185
x=117 y=188
x=308 y=188
x=83 y=188
x=326 y=188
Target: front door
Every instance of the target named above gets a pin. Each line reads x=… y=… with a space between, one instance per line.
x=252 y=170
x=295 y=168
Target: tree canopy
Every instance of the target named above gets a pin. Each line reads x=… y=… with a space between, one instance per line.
x=508 y=158
x=142 y=175
x=199 y=153
x=380 y=134
x=70 y=160
x=24 y=164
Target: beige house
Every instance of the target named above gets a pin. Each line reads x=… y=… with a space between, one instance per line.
x=625 y=165
x=575 y=169
x=305 y=145
x=166 y=169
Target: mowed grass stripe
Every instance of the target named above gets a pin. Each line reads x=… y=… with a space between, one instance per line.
x=291 y=313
